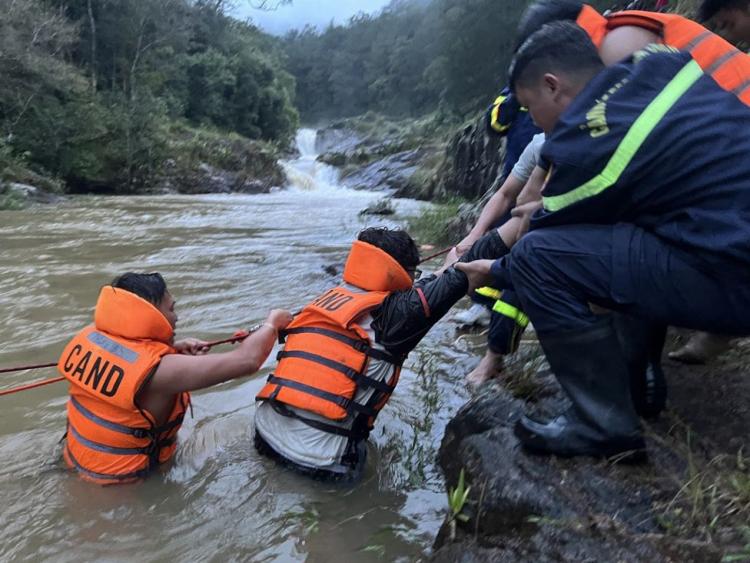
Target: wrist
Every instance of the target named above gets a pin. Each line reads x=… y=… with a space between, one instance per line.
x=270 y=325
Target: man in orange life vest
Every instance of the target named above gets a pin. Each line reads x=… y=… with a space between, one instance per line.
x=130 y=382
x=343 y=354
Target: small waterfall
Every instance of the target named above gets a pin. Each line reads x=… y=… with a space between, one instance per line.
x=305 y=172
x=305 y=141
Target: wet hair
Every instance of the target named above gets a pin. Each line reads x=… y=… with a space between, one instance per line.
x=150 y=287
x=544 y=12
x=395 y=242
x=557 y=47
x=709 y=8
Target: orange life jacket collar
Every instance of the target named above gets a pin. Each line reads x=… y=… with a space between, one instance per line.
x=371 y=268
x=593 y=23
x=124 y=314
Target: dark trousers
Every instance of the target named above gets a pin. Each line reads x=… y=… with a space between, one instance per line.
x=558 y=271
x=505 y=333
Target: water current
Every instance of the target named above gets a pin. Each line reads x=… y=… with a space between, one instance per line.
x=228 y=259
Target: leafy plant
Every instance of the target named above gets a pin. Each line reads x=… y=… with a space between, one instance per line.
x=457 y=498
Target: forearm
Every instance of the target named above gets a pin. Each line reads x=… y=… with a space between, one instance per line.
x=498 y=205
x=406 y=316
x=178 y=373
x=492 y=211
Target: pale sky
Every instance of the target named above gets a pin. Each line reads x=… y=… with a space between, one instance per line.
x=300 y=12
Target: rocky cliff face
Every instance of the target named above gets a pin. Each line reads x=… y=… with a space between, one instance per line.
x=529 y=508
x=473 y=159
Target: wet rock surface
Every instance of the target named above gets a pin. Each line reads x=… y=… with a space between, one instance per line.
x=535 y=508
x=390 y=173
x=473 y=161
x=30 y=193
x=384 y=161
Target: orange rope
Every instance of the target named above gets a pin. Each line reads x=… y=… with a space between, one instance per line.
x=238 y=337
x=30 y=386
x=39 y=366
x=431 y=256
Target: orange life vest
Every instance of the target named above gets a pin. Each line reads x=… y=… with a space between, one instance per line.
x=326 y=354
x=729 y=66
x=110 y=439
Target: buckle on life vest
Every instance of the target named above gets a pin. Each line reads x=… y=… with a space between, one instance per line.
x=142 y=433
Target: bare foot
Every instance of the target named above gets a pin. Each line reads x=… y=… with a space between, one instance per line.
x=489 y=367
x=701 y=348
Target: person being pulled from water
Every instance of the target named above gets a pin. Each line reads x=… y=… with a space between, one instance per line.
x=643 y=212
x=343 y=354
x=130 y=381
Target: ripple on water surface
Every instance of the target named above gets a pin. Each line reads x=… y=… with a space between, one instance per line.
x=228 y=259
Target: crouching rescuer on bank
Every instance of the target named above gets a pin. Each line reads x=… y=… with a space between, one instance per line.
x=130 y=382
x=343 y=354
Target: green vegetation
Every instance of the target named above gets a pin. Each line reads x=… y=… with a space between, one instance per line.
x=429 y=227
x=416 y=57
x=406 y=60
x=457 y=497
x=713 y=495
x=91 y=88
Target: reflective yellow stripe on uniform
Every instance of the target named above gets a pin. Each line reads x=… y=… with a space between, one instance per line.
x=490 y=292
x=503 y=308
x=495 y=115
x=512 y=312
x=632 y=141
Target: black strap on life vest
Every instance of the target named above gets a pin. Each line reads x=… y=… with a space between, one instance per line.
x=357 y=344
x=283 y=410
x=109 y=425
x=99 y=447
x=153 y=434
x=117 y=477
x=348 y=405
x=358 y=377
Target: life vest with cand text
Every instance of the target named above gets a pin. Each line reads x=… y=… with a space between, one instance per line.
x=110 y=439
x=326 y=354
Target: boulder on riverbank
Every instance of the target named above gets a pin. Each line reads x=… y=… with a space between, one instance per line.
x=204 y=161
x=377 y=154
x=689 y=502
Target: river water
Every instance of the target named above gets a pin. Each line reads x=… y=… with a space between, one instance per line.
x=227 y=259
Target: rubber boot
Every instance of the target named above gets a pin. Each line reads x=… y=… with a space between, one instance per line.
x=591 y=368
x=489 y=247
x=642 y=342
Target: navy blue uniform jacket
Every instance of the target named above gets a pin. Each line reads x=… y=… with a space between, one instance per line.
x=655 y=142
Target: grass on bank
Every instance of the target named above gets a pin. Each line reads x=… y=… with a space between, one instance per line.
x=713 y=496
x=430 y=227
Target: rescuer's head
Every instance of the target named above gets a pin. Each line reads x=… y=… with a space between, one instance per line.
x=397 y=243
x=152 y=288
x=543 y=12
x=551 y=68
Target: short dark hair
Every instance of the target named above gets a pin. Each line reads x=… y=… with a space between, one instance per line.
x=709 y=8
x=395 y=242
x=544 y=12
x=557 y=47
x=150 y=287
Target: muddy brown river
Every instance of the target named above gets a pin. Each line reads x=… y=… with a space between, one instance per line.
x=227 y=259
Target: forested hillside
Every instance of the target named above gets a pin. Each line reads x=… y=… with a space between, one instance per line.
x=416 y=57
x=94 y=91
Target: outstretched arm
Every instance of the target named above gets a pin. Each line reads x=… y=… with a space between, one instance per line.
x=179 y=372
x=405 y=317
x=493 y=210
